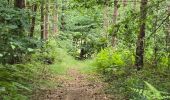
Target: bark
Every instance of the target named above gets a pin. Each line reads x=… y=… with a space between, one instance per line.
x=105 y=19
x=141 y=35
x=19 y=4
x=33 y=20
x=134 y=4
x=155 y=44
x=115 y=14
x=42 y=19
x=46 y=26
x=55 y=18
x=124 y=3
x=168 y=37
x=63 y=16
x=155 y=61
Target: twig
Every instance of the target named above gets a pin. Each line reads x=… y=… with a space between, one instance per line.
x=158 y=27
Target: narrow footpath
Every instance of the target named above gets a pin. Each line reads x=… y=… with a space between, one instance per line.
x=76 y=86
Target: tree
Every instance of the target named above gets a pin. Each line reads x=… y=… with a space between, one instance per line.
x=115 y=14
x=105 y=18
x=168 y=37
x=42 y=19
x=46 y=20
x=55 y=17
x=124 y=3
x=134 y=4
x=34 y=9
x=19 y=4
x=63 y=16
x=141 y=35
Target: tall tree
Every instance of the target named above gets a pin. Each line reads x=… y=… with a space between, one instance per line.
x=141 y=35
x=46 y=20
x=105 y=18
x=55 y=17
x=63 y=15
x=155 y=48
x=42 y=19
x=19 y=4
x=115 y=14
x=168 y=36
x=34 y=9
x=134 y=4
x=124 y=3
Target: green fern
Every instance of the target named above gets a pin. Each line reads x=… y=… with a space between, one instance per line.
x=151 y=93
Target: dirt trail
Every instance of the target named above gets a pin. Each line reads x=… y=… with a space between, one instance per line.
x=76 y=86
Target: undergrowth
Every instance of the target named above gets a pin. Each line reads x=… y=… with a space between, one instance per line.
x=117 y=68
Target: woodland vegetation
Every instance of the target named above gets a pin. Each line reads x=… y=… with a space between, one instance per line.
x=126 y=41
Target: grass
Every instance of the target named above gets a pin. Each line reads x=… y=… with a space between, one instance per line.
x=85 y=66
x=60 y=68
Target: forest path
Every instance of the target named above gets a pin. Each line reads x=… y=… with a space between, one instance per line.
x=75 y=85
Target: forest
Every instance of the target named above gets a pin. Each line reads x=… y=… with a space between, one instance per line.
x=84 y=49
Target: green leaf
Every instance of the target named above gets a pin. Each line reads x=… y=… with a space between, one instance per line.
x=21 y=86
x=2 y=89
x=12 y=26
x=1 y=55
x=30 y=49
x=13 y=47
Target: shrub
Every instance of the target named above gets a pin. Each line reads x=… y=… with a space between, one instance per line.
x=112 y=61
x=15 y=81
x=150 y=93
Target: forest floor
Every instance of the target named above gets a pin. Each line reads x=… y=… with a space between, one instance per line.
x=75 y=85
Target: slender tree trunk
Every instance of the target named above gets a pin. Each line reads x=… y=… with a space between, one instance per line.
x=63 y=16
x=168 y=37
x=155 y=44
x=19 y=4
x=46 y=20
x=124 y=3
x=115 y=14
x=42 y=19
x=141 y=36
x=105 y=18
x=134 y=4
x=55 y=18
x=155 y=50
x=33 y=20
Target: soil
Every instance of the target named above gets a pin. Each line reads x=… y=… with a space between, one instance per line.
x=76 y=86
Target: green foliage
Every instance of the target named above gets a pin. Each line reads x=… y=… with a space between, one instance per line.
x=15 y=81
x=18 y=81
x=14 y=45
x=150 y=93
x=110 y=60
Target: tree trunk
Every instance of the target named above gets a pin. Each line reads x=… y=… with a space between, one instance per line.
x=33 y=20
x=115 y=14
x=63 y=16
x=19 y=4
x=124 y=3
x=55 y=19
x=46 y=20
x=134 y=5
x=42 y=19
x=105 y=19
x=168 y=37
x=141 y=36
x=155 y=44
x=155 y=49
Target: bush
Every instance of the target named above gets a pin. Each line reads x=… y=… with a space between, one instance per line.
x=117 y=69
x=15 y=81
x=150 y=93
x=112 y=61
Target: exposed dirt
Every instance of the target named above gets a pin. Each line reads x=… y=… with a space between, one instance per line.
x=76 y=86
